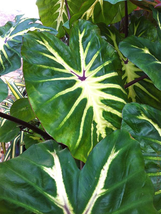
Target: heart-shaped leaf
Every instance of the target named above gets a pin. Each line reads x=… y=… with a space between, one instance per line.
x=75 y=91
x=144 y=124
x=45 y=179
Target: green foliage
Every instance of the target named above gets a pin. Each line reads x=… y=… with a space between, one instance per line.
x=66 y=189
x=3 y=90
x=76 y=79
x=96 y=92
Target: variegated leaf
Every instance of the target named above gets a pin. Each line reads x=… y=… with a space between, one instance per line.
x=11 y=41
x=145 y=55
x=142 y=91
x=144 y=124
x=102 y=11
x=110 y=187
x=45 y=179
x=54 y=12
x=75 y=91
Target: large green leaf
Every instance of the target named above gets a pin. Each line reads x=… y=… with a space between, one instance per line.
x=115 y=167
x=11 y=41
x=142 y=91
x=42 y=180
x=145 y=55
x=102 y=11
x=144 y=124
x=53 y=13
x=45 y=179
x=3 y=90
x=74 y=91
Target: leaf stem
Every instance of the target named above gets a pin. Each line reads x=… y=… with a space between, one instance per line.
x=45 y=135
x=135 y=81
x=67 y=7
x=126 y=19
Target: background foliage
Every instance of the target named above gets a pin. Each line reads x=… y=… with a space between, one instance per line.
x=89 y=116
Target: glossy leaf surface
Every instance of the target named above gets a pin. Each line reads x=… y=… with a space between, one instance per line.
x=45 y=179
x=74 y=91
x=145 y=55
x=144 y=124
x=115 y=167
x=11 y=41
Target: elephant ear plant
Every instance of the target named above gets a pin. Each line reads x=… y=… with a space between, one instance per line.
x=93 y=86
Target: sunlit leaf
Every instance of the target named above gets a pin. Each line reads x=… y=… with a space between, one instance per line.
x=74 y=91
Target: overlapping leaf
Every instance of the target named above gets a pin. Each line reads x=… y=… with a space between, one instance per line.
x=75 y=91
x=144 y=124
x=142 y=27
x=157 y=17
x=146 y=5
x=46 y=179
x=43 y=180
x=102 y=11
x=145 y=55
x=142 y=91
x=53 y=13
x=11 y=41
x=21 y=109
x=8 y=131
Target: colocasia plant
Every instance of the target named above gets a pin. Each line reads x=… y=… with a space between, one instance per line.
x=92 y=74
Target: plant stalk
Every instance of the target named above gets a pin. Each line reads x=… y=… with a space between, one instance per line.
x=45 y=135
x=67 y=7
x=126 y=19
x=135 y=81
